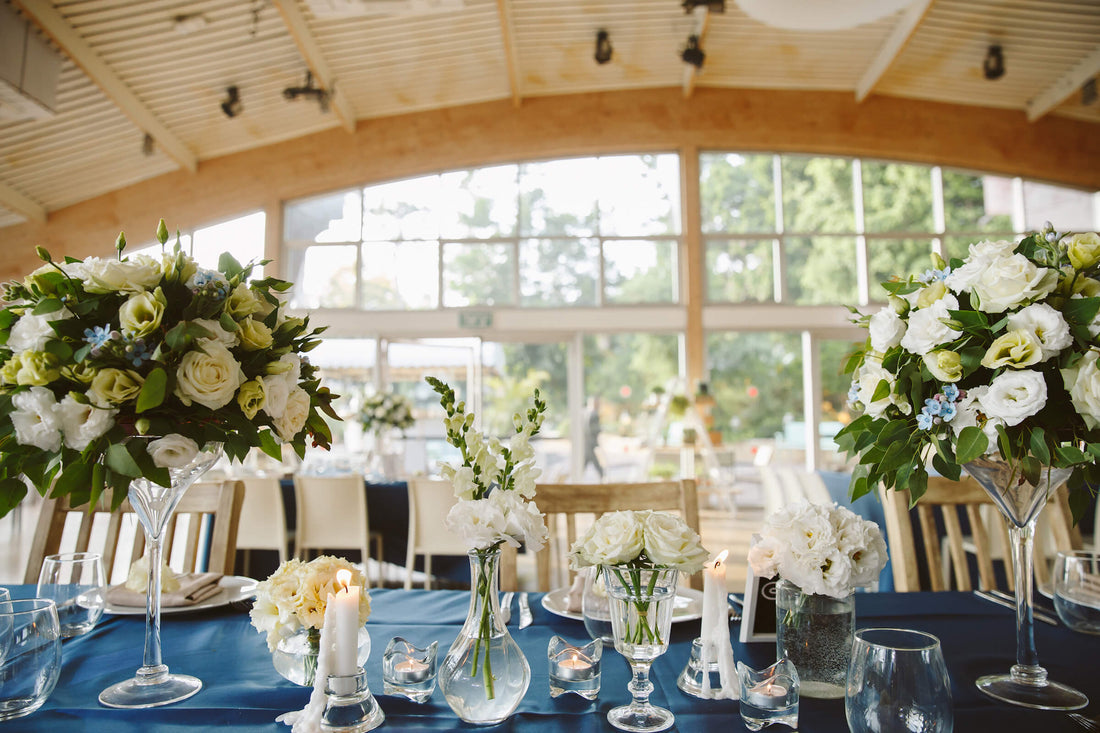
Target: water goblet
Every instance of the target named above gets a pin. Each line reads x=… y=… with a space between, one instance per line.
x=74 y=581
x=1077 y=590
x=31 y=641
x=897 y=681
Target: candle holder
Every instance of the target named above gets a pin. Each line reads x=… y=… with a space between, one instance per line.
x=770 y=695
x=408 y=670
x=349 y=707
x=704 y=679
x=575 y=669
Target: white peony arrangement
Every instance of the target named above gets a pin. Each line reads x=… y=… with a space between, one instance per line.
x=386 y=411
x=993 y=354
x=824 y=550
x=640 y=539
x=114 y=369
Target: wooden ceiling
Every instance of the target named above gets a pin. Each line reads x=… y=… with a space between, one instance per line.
x=162 y=67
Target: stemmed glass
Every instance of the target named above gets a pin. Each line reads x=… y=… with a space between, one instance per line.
x=642 y=602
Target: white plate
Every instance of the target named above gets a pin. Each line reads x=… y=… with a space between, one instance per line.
x=689 y=605
x=234 y=588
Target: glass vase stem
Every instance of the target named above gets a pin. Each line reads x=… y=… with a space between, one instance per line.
x=152 y=661
x=1027 y=668
x=640 y=686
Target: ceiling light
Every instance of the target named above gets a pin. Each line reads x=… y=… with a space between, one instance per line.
x=993 y=66
x=816 y=15
x=714 y=6
x=185 y=25
x=692 y=54
x=147 y=145
x=603 y=47
x=232 y=105
x=309 y=91
x=1088 y=92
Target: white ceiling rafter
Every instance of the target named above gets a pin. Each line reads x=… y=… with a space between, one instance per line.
x=511 y=59
x=1060 y=90
x=72 y=44
x=895 y=42
x=701 y=22
x=20 y=204
x=315 y=59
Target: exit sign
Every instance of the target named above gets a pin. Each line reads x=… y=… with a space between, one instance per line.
x=475 y=319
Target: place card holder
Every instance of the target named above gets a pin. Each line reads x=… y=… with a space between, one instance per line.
x=770 y=695
x=408 y=670
x=574 y=669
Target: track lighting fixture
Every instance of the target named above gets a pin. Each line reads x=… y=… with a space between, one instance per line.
x=309 y=91
x=603 y=47
x=994 y=64
x=692 y=54
x=1088 y=92
x=147 y=145
x=232 y=105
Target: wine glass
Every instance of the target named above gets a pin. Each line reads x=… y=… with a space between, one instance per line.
x=74 y=581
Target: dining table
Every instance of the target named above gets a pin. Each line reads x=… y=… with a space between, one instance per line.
x=242 y=691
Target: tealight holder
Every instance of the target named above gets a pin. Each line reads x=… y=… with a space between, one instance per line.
x=702 y=679
x=575 y=669
x=349 y=705
x=408 y=670
x=770 y=695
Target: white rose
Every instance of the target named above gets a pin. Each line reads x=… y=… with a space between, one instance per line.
x=928 y=328
x=31 y=332
x=1010 y=281
x=228 y=339
x=479 y=522
x=613 y=539
x=868 y=378
x=1083 y=382
x=129 y=276
x=172 y=451
x=35 y=420
x=962 y=279
x=210 y=378
x=670 y=541
x=1014 y=396
x=971 y=413
x=295 y=415
x=765 y=555
x=82 y=423
x=1047 y=324
x=886 y=329
x=277 y=390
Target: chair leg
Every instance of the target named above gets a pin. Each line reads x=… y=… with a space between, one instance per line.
x=427 y=572
x=378 y=551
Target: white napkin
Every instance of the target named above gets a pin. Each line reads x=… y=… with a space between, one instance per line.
x=193 y=588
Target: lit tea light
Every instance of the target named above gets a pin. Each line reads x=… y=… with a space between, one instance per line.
x=411 y=671
x=768 y=694
x=576 y=667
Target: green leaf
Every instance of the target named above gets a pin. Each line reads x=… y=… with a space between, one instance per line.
x=918 y=484
x=1039 y=447
x=1079 y=503
x=971 y=444
x=1031 y=469
x=152 y=392
x=1069 y=455
x=270 y=446
x=77 y=476
x=47 y=305
x=228 y=323
x=120 y=462
x=60 y=349
x=882 y=391
x=1081 y=310
x=945 y=468
x=229 y=265
x=178 y=338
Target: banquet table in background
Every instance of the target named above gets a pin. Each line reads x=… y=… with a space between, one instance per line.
x=242 y=691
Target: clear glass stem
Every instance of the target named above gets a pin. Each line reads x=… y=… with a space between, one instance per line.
x=1027 y=669
x=640 y=687
x=152 y=661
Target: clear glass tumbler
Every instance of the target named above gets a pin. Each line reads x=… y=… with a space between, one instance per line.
x=897 y=682
x=30 y=644
x=1077 y=590
x=75 y=582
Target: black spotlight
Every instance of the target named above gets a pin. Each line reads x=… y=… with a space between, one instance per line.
x=232 y=105
x=603 y=47
x=994 y=64
x=692 y=54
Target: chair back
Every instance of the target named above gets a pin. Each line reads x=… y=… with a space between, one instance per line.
x=64 y=528
x=331 y=513
x=429 y=502
x=940 y=507
x=569 y=500
x=263 y=516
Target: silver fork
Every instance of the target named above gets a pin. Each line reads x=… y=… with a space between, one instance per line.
x=1085 y=723
x=506 y=608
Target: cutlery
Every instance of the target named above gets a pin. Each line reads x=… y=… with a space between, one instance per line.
x=1086 y=723
x=1012 y=599
x=525 y=617
x=506 y=608
x=1037 y=615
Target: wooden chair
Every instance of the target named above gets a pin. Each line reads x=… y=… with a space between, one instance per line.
x=332 y=514
x=942 y=502
x=263 y=518
x=217 y=502
x=429 y=502
x=569 y=500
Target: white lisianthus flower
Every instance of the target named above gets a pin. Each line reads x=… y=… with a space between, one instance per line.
x=172 y=451
x=31 y=332
x=766 y=555
x=277 y=390
x=867 y=381
x=1011 y=281
x=971 y=413
x=210 y=378
x=1083 y=382
x=1014 y=396
x=111 y=276
x=479 y=522
x=928 y=327
x=613 y=539
x=869 y=556
x=294 y=416
x=228 y=339
x=35 y=419
x=670 y=541
x=1047 y=324
x=886 y=329
x=81 y=422
x=981 y=254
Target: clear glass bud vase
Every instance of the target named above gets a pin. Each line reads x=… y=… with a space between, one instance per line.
x=484 y=675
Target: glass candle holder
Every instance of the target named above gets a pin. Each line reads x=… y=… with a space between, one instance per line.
x=408 y=670
x=770 y=695
x=701 y=678
x=349 y=706
x=574 y=669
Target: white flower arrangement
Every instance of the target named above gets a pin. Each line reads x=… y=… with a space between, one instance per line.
x=640 y=539
x=386 y=411
x=824 y=550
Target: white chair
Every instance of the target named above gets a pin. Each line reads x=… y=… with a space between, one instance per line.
x=263 y=518
x=429 y=502
x=332 y=514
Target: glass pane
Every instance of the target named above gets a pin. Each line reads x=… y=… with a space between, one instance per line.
x=834 y=398
x=817 y=194
x=821 y=270
x=331 y=218
x=323 y=277
x=400 y=276
x=897 y=197
x=756 y=381
x=1068 y=209
x=639 y=271
x=560 y=198
x=976 y=203
x=740 y=270
x=557 y=272
x=640 y=195
x=478 y=203
x=242 y=237
x=737 y=193
x=402 y=209
x=621 y=371
x=477 y=274
x=895 y=258
x=347 y=368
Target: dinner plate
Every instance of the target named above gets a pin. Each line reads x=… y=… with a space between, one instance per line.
x=234 y=588
x=688 y=605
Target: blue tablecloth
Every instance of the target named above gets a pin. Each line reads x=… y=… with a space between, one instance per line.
x=244 y=693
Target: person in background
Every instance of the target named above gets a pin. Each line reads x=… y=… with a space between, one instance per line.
x=592 y=435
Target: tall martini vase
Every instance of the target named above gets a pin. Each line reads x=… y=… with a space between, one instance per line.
x=153 y=685
x=1020 y=502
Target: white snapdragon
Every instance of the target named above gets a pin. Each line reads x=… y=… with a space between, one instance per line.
x=1047 y=324
x=462 y=478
